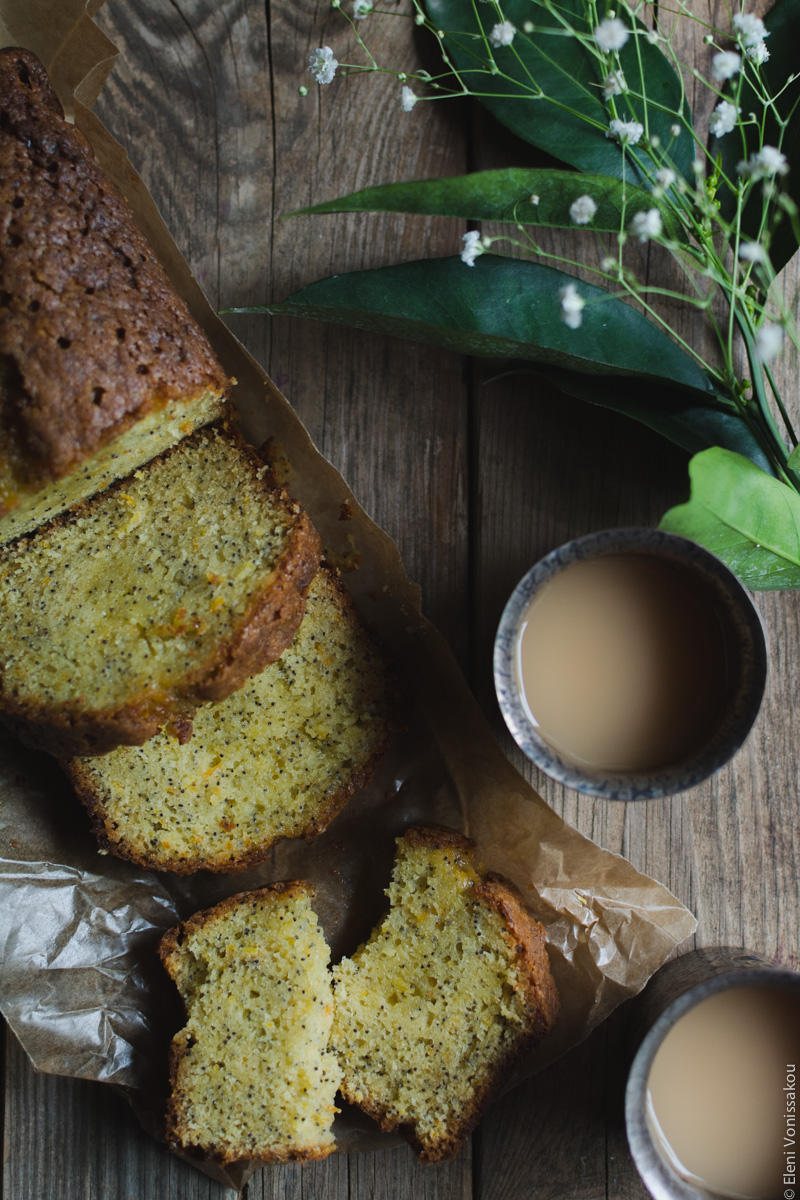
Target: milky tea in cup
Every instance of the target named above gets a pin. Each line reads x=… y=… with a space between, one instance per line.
x=630 y=664
x=721 y=1094
x=622 y=662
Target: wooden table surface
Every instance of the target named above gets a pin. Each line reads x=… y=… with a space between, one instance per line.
x=475 y=482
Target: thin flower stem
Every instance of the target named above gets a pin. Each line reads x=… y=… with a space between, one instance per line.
x=719 y=219
x=776 y=449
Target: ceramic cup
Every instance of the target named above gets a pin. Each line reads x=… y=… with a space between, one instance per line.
x=671 y=994
x=745 y=655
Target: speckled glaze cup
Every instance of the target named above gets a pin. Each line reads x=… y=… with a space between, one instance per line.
x=746 y=659
x=672 y=992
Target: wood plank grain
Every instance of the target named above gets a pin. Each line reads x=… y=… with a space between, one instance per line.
x=309 y=1181
x=391 y=418
x=373 y=1175
x=393 y=1174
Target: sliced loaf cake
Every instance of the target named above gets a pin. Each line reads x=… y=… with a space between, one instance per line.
x=251 y=1074
x=279 y=758
x=171 y=587
x=101 y=365
x=452 y=986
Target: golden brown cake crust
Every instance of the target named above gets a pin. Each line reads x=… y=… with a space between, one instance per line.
x=527 y=937
x=92 y=333
x=260 y=637
x=87 y=793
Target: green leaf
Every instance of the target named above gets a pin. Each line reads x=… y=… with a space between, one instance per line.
x=692 y=424
x=500 y=308
x=783 y=24
x=793 y=460
x=506 y=196
x=571 y=121
x=748 y=519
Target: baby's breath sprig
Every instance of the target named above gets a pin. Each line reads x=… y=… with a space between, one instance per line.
x=611 y=103
x=695 y=208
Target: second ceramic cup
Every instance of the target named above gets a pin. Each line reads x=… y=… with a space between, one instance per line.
x=711 y=1101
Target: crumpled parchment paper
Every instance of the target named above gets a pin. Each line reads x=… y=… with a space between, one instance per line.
x=79 y=982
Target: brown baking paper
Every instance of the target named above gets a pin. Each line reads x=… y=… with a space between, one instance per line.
x=80 y=984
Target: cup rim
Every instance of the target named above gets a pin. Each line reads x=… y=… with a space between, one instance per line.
x=699 y=764
x=660 y=1179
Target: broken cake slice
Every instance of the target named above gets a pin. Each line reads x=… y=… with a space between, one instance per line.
x=451 y=987
x=251 y=1073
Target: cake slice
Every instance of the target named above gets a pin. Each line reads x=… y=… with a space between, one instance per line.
x=251 y=1073
x=452 y=986
x=101 y=365
x=171 y=587
x=279 y=758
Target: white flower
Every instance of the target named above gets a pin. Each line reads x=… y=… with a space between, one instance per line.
x=572 y=306
x=665 y=177
x=646 y=225
x=614 y=84
x=627 y=133
x=771 y=161
x=723 y=119
x=750 y=29
x=322 y=64
x=472 y=247
x=535 y=199
x=769 y=341
x=726 y=64
x=752 y=252
x=361 y=9
x=582 y=210
x=757 y=54
x=408 y=98
x=675 y=130
x=611 y=34
x=502 y=34
x=765 y=164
